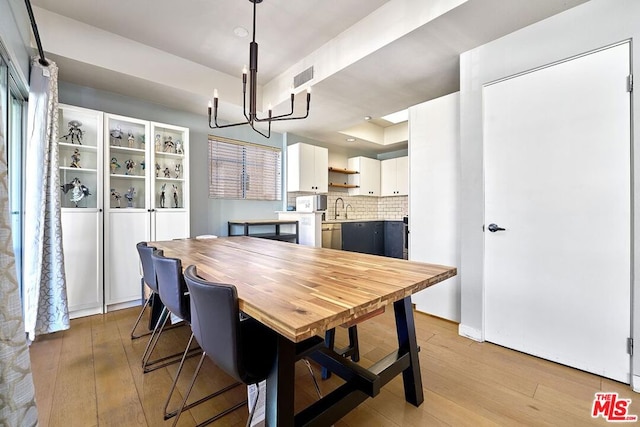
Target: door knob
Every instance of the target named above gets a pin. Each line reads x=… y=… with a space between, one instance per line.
x=494 y=227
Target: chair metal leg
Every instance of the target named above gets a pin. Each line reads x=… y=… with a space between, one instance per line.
x=175 y=380
x=154 y=334
x=173 y=413
x=313 y=377
x=183 y=406
x=135 y=325
x=147 y=365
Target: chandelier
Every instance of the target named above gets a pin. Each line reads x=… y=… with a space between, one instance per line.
x=252 y=116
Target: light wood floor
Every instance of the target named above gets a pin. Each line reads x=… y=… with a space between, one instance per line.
x=90 y=375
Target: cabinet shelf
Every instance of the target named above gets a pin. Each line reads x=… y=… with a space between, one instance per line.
x=337 y=184
x=68 y=168
x=115 y=175
x=166 y=154
x=170 y=179
x=117 y=148
x=343 y=171
x=78 y=146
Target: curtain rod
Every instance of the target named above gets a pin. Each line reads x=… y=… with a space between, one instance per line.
x=36 y=34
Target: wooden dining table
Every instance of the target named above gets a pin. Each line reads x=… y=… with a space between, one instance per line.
x=300 y=292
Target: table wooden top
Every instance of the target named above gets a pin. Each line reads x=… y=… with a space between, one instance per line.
x=301 y=291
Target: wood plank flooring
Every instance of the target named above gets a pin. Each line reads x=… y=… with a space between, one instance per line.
x=91 y=375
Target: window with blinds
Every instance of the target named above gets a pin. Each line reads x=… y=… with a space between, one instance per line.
x=241 y=170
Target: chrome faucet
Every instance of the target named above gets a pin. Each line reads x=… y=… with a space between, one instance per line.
x=335 y=207
x=346 y=211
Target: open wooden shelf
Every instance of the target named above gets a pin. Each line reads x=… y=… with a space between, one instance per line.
x=342 y=170
x=337 y=184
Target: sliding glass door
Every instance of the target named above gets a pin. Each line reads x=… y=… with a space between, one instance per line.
x=13 y=121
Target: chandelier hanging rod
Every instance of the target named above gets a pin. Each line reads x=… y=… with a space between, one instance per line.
x=252 y=116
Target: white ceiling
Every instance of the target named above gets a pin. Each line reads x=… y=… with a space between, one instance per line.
x=370 y=57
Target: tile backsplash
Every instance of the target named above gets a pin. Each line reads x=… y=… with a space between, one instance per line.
x=362 y=207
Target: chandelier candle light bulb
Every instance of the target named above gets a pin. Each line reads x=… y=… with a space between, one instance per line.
x=251 y=116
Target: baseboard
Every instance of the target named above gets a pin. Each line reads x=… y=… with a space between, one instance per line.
x=471 y=333
x=635 y=383
x=121 y=305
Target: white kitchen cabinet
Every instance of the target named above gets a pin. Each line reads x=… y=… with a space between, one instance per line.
x=147 y=198
x=394 y=177
x=368 y=178
x=307 y=168
x=80 y=171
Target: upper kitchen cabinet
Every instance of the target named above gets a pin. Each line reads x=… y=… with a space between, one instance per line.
x=307 y=167
x=394 y=177
x=368 y=178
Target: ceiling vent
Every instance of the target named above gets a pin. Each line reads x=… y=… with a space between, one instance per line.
x=303 y=77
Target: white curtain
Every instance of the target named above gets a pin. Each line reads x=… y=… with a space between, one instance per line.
x=45 y=291
x=17 y=404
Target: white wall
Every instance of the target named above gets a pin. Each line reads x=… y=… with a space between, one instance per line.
x=433 y=199
x=582 y=29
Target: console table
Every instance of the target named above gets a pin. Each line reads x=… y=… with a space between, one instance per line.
x=276 y=223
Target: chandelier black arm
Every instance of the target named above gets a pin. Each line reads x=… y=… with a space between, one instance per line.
x=286 y=116
x=281 y=115
x=217 y=126
x=268 y=135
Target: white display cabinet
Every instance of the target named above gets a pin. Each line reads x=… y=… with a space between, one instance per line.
x=80 y=148
x=170 y=186
x=148 y=198
x=127 y=207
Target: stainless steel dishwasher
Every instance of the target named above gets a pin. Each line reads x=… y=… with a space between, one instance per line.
x=332 y=235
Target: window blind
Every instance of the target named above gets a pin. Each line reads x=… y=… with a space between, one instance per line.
x=241 y=170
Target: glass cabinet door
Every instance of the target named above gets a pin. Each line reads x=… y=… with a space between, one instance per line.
x=170 y=166
x=126 y=162
x=80 y=157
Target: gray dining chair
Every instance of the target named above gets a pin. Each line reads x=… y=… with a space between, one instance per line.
x=171 y=290
x=243 y=348
x=148 y=278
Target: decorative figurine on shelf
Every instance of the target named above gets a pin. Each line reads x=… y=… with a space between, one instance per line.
x=178 y=169
x=78 y=190
x=116 y=136
x=129 y=196
x=162 y=195
x=167 y=173
x=157 y=170
x=143 y=164
x=169 y=145
x=75 y=159
x=117 y=196
x=179 y=149
x=143 y=140
x=158 y=143
x=131 y=140
x=129 y=164
x=114 y=165
x=75 y=133
x=175 y=196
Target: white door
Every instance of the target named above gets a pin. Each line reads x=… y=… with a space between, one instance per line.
x=557 y=179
